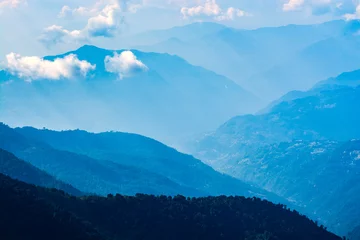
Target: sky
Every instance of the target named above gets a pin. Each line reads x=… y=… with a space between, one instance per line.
x=43 y=27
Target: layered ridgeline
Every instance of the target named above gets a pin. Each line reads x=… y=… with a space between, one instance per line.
x=157 y=95
x=120 y=163
x=26 y=209
x=24 y=171
x=263 y=60
x=303 y=148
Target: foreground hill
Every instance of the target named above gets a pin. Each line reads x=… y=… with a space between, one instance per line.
x=23 y=171
x=27 y=209
x=175 y=97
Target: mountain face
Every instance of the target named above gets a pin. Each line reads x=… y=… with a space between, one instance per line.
x=88 y=174
x=23 y=171
x=176 y=99
x=27 y=209
x=120 y=163
x=329 y=114
x=355 y=234
x=263 y=60
x=301 y=171
x=295 y=149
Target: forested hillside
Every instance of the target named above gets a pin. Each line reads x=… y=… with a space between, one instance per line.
x=27 y=209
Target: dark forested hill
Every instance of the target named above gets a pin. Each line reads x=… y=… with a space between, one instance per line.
x=27 y=209
x=23 y=171
x=28 y=212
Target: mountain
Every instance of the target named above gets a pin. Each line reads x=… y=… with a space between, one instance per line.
x=329 y=114
x=347 y=79
x=23 y=171
x=87 y=174
x=295 y=149
x=176 y=98
x=320 y=60
x=182 y=33
x=27 y=209
x=355 y=234
x=350 y=79
x=120 y=163
x=264 y=60
x=301 y=171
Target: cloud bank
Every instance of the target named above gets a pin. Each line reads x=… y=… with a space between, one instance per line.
x=124 y=64
x=35 y=68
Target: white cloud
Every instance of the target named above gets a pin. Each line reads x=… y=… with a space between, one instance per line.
x=231 y=13
x=211 y=8
x=293 y=5
x=353 y=16
x=124 y=64
x=35 y=68
x=56 y=34
x=11 y=3
x=104 y=21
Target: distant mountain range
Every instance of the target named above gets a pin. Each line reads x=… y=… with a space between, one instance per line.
x=170 y=100
x=303 y=147
x=269 y=62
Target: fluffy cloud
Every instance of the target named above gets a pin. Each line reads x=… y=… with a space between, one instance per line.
x=124 y=64
x=104 y=21
x=293 y=5
x=35 y=68
x=211 y=8
x=56 y=34
x=11 y=3
x=353 y=16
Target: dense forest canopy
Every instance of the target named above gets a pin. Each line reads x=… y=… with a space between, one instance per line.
x=30 y=212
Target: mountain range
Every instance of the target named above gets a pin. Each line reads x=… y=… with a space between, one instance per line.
x=169 y=99
x=268 y=62
x=296 y=147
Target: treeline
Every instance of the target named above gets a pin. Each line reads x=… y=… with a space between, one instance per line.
x=29 y=212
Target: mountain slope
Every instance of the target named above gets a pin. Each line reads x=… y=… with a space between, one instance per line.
x=301 y=171
x=23 y=171
x=144 y=153
x=263 y=60
x=261 y=149
x=141 y=166
x=329 y=114
x=145 y=217
x=176 y=98
x=87 y=174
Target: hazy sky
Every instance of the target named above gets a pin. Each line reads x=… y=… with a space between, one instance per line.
x=41 y=27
